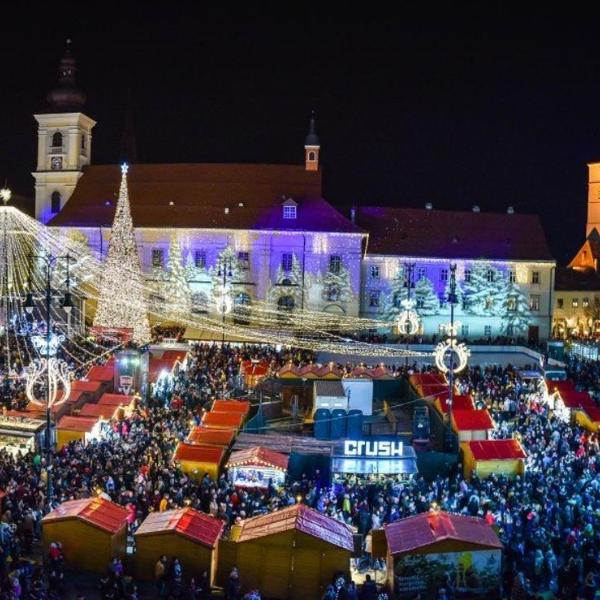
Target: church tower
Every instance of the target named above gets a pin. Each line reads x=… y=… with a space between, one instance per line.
x=312 y=146
x=64 y=142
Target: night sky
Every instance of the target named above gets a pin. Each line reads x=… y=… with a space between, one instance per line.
x=452 y=107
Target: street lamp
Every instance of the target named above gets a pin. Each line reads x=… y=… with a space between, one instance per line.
x=224 y=302
x=54 y=371
x=409 y=283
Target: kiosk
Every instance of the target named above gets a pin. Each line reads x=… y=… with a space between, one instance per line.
x=257 y=467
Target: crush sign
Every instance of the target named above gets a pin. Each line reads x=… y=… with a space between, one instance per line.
x=373 y=448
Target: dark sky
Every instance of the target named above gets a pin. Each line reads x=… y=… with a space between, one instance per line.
x=478 y=105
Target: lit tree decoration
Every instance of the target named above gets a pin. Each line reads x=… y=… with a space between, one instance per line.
x=177 y=290
x=121 y=276
x=450 y=355
x=516 y=314
x=408 y=320
x=48 y=371
x=427 y=300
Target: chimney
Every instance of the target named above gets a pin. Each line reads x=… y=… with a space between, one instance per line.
x=429 y=206
x=476 y=209
x=353 y=215
x=510 y=210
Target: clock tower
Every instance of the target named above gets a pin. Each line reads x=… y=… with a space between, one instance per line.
x=64 y=142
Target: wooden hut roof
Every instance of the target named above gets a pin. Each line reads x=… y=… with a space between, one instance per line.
x=497 y=449
x=82 y=424
x=197 y=453
x=258 y=456
x=241 y=407
x=97 y=512
x=187 y=522
x=426 y=529
x=472 y=420
x=288 y=370
x=223 y=419
x=116 y=400
x=85 y=386
x=101 y=373
x=459 y=402
x=427 y=378
x=211 y=437
x=98 y=410
x=303 y=519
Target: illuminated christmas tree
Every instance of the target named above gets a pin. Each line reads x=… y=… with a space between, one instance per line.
x=516 y=313
x=427 y=300
x=178 y=296
x=122 y=302
x=393 y=300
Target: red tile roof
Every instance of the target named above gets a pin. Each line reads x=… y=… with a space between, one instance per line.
x=200 y=194
x=459 y=402
x=82 y=424
x=197 y=453
x=303 y=519
x=189 y=523
x=98 y=512
x=101 y=373
x=116 y=400
x=472 y=420
x=497 y=450
x=453 y=234
x=427 y=529
x=211 y=437
x=98 y=410
x=241 y=407
x=224 y=420
x=258 y=456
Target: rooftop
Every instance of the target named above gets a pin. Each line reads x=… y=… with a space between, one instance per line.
x=258 y=456
x=497 y=449
x=98 y=512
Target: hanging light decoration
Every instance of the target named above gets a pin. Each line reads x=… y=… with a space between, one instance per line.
x=450 y=356
x=52 y=372
x=408 y=322
x=223 y=301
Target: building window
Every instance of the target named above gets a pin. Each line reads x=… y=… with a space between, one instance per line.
x=468 y=275
x=464 y=330
x=490 y=276
x=512 y=276
x=83 y=142
x=487 y=331
x=585 y=303
x=200 y=259
x=57 y=140
x=535 y=277
x=289 y=211
x=55 y=202
x=244 y=261
x=421 y=273
x=158 y=257
x=374 y=271
x=560 y=303
x=575 y=302
x=374 y=298
x=287 y=260
x=534 y=302
x=444 y=275
x=311 y=155
x=335 y=264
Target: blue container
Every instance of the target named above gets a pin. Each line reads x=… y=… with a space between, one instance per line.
x=338 y=424
x=323 y=424
x=354 y=425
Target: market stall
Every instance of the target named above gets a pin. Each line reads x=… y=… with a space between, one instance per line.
x=424 y=549
x=196 y=460
x=487 y=457
x=241 y=407
x=223 y=420
x=257 y=468
x=84 y=429
x=90 y=390
x=292 y=553
x=20 y=433
x=100 y=411
x=206 y=436
x=122 y=403
x=472 y=424
x=92 y=532
x=253 y=371
x=105 y=374
x=188 y=534
x=459 y=402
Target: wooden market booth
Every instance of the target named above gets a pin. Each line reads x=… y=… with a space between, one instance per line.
x=90 y=390
x=487 y=457
x=124 y=404
x=423 y=549
x=472 y=424
x=188 y=534
x=207 y=436
x=223 y=420
x=92 y=532
x=241 y=407
x=253 y=371
x=293 y=553
x=256 y=467
x=105 y=412
x=70 y=429
x=105 y=374
x=196 y=460
x=459 y=402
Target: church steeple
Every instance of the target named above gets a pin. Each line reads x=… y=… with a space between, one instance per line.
x=312 y=146
x=66 y=96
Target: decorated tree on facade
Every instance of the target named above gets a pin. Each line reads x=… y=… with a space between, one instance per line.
x=336 y=286
x=287 y=282
x=516 y=313
x=484 y=290
x=459 y=296
x=427 y=301
x=397 y=292
x=223 y=274
x=177 y=292
x=121 y=302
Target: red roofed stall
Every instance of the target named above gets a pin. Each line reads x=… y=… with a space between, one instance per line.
x=103 y=373
x=188 y=534
x=241 y=407
x=92 y=531
x=206 y=436
x=256 y=467
x=318 y=546
x=459 y=402
x=485 y=457
x=122 y=403
x=90 y=391
x=84 y=429
x=423 y=548
x=223 y=420
x=253 y=371
x=472 y=424
x=196 y=460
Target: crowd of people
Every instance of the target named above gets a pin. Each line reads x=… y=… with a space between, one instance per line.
x=548 y=519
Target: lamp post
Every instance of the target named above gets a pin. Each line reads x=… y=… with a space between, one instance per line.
x=47 y=347
x=452 y=301
x=225 y=303
x=409 y=283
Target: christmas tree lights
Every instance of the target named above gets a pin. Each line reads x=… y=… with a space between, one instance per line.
x=122 y=302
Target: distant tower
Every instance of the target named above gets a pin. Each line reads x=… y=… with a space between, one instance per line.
x=312 y=146
x=64 y=142
x=593 y=213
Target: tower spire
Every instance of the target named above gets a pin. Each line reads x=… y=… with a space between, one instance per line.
x=66 y=96
x=312 y=145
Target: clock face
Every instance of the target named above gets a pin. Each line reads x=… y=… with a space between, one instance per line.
x=56 y=163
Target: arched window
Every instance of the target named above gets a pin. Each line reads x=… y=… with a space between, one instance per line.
x=57 y=140
x=311 y=155
x=55 y=202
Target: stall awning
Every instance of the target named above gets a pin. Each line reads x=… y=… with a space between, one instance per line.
x=85 y=386
x=258 y=457
x=496 y=449
x=459 y=402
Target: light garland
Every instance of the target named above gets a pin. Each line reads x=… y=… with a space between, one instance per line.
x=408 y=322
x=445 y=352
x=51 y=372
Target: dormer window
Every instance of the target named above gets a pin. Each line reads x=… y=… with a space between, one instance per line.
x=289 y=211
